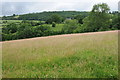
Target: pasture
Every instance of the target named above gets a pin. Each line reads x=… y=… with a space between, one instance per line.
x=87 y=55
x=6 y=22
x=58 y=27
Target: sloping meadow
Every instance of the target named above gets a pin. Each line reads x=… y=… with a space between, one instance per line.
x=93 y=55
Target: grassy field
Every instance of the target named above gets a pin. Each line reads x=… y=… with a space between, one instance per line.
x=92 y=55
x=58 y=27
x=14 y=21
x=6 y=22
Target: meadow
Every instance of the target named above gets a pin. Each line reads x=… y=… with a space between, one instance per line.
x=87 y=55
x=6 y=22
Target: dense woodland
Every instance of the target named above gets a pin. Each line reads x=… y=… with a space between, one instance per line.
x=46 y=23
x=43 y=16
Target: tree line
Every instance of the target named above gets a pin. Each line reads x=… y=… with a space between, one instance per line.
x=99 y=19
x=43 y=16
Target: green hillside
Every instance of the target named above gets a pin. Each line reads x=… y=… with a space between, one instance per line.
x=45 y=15
x=59 y=22
x=93 y=55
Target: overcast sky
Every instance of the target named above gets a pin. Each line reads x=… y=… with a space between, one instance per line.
x=10 y=7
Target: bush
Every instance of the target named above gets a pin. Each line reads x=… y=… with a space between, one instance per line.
x=54 y=18
x=116 y=22
x=10 y=28
x=53 y=24
x=70 y=26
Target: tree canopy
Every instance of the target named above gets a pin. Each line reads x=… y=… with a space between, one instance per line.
x=99 y=18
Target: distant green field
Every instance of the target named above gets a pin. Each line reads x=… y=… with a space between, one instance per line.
x=58 y=27
x=15 y=21
x=11 y=21
x=73 y=56
x=6 y=22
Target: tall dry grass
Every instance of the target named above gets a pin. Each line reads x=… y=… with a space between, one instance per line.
x=93 y=55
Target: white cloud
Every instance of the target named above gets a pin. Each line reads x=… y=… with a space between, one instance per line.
x=29 y=6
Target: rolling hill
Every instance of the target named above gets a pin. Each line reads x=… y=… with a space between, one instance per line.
x=45 y=15
x=87 y=55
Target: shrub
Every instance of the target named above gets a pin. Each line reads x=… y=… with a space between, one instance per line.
x=70 y=26
x=53 y=24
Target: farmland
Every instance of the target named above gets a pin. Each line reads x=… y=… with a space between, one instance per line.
x=61 y=44
x=88 y=55
x=58 y=22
